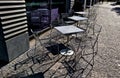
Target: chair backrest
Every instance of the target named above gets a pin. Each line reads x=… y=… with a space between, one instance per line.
x=35 y=16
x=98 y=30
x=54 y=14
x=43 y=11
x=35 y=13
x=64 y=15
x=44 y=16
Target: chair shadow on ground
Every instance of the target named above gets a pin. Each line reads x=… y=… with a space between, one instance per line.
x=69 y=70
x=22 y=75
x=117 y=10
x=38 y=75
x=114 y=4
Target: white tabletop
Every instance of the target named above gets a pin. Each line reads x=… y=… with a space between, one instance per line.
x=69 y=29
x=77 y=18
x=83 y=13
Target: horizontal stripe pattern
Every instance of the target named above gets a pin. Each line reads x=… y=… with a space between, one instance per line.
x=13 y=18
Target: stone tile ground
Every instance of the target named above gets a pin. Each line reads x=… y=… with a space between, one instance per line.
x=107 y=61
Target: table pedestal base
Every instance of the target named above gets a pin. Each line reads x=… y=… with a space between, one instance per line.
x=66 y=52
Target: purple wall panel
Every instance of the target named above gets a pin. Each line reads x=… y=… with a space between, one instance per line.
x=41 y=17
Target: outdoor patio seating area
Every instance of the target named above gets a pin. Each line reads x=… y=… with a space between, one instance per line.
x=83 y=44
x=63 y=51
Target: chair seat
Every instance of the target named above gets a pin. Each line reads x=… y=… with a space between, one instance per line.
x=69 y=22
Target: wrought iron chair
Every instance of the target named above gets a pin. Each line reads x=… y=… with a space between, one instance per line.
x=64 y=19
x=35 y=20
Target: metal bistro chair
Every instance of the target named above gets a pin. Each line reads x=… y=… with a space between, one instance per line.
x=44 y=17
x=69 y=61
x=37 y=53
x=90 y=24
x=48 y=42
x=92 y=15
x=31 y=54
x=64 y=19
x=86 y=60
x=35 y=20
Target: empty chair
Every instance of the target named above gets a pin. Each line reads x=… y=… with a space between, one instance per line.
x=44 y=17
x=35 y=20
x=65 y=20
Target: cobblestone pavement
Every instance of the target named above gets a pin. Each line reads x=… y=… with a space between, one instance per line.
x=107 y=61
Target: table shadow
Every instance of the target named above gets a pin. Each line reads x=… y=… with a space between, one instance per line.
x=55 y=49
x=117 y=10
